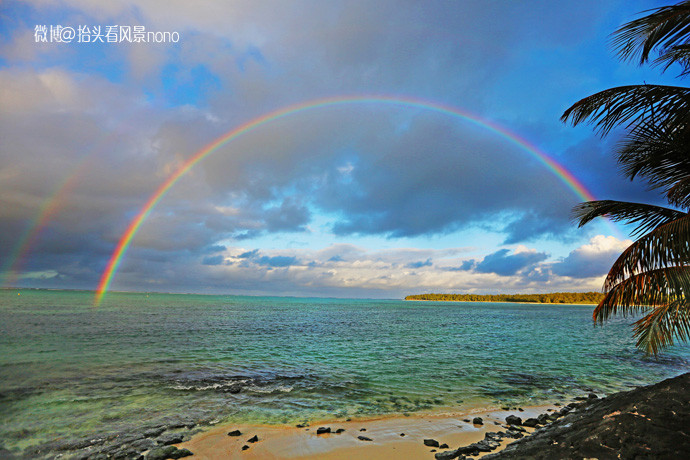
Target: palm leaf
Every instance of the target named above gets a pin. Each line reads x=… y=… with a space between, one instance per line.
x=639 y=292
x=677 y=54
x=662 y=156
x=658 y=329
x=665 y=246
x=631 y=105
x=663 y=29
x=646 y=216
x=679 y=193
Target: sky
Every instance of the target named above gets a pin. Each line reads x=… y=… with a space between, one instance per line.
x=370 y=197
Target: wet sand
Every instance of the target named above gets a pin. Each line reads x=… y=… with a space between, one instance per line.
x=385 y=434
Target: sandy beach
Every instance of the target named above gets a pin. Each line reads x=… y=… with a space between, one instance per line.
x=385 y=434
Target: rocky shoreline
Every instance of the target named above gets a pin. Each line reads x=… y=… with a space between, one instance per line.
x=647 y=422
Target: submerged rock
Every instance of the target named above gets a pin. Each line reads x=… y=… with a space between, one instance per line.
x=364 y=438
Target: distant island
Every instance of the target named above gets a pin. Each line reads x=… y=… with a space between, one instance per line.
x=555 y=297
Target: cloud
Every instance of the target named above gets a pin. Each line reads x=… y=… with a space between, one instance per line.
x=92 y=132
x=503 y=263
x=420 y=264
x=593 y=259
x=213 y=260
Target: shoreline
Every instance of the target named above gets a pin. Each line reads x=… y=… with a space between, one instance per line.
x=394 y=436
x=498 y=301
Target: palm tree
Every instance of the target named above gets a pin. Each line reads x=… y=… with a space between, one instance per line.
x=653 y=274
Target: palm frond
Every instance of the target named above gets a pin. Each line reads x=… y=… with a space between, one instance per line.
x=679 y=193
x=630 y=105
x=659 y=328
x=646 y=216
x=639 y=292
x=679 y=54
x=661 y=155
x=662 y=29
x=665 y=246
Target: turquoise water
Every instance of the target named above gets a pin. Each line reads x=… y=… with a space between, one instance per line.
x=68 y=370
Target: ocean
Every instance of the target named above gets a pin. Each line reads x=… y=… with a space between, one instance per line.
x=70 y=371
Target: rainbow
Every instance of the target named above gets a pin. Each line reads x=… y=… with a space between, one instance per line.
x=10 y=271
x=401 y=101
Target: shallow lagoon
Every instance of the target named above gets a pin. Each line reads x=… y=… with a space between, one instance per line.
x=69 y=370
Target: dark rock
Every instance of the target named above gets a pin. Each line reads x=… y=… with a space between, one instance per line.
x=531 y=422
x=494 y=436
x=443 y=446
x=254 y=438
x=513 y=420
x=447 y=455
x=402 y=434
x=580 y=398
x=592 y=396
x=514 y=434
x=521 y=409
x=172 y=438
x=557 y=404
x=245 y=447
x=340 y=430
x=644 y=423
x=234 y=389
x=517 y=428
x=323 y=430
x=543 y=419
x=302 y=425
x=432 y=450
x=163 y=453
x=466 y=420
x=478 y=421
x=431 y=443
x=235 y=433
x=363 y=438
x=485 y=446
x=153 y=432
x=362 y=429
x=563 y=411
x=142 y=444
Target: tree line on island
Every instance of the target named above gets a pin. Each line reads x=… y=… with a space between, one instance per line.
x=554 y=297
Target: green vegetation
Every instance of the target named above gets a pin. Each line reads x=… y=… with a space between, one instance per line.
x=653 y=274
x=555 y=297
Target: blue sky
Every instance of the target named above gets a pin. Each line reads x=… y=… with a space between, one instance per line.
x=351 y=201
